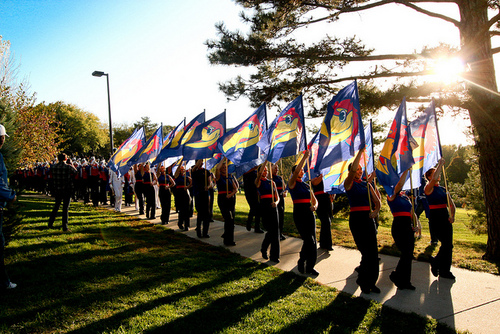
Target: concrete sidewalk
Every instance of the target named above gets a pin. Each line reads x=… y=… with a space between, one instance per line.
x=472 y=302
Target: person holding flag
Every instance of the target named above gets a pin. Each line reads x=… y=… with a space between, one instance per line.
x=324 y=212
x=361 y=196
x=269 y=200
x=439 y=202
x=252 y=197
x=304 y=205
x=403 y=234
x=281 y=193
x=202 y=182
x=227 y=186
x=139 y=186
x=149 y=180
x=183 y=201
x=165 y=182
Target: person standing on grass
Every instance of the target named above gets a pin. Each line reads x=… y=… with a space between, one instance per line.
x=6 y=195
x=362 y=224
x=281 y=193
x=252 y=197
x=165 y=182
x=182 y=198
x=403 y=234
x=304 y=205
x=202 y=182
x=116 y=184
x=324 y=212
x=439 y=201
x=63 y=175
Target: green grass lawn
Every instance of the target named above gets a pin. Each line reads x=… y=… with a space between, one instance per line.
x=468 y=246
x=117 y=274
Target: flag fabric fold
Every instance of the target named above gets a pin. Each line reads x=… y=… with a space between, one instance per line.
x=397 y=153
x=239 y=145
x=201 y=142
x=172 y=138
x=150 y=150
x=118 y=162
x=428 y=153
x=174 y=148
x=340 y=128
x=286 y=135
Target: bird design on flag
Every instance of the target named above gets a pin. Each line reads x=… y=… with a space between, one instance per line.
x=209 y=136
x=288 y=126
x=126 y=152
x=248 y=135
x=343 y=124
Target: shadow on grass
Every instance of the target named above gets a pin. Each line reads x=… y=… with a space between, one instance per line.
x=228 y=311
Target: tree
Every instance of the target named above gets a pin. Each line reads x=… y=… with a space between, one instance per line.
x=149 y=126
x=286 y=66
x=80 y=132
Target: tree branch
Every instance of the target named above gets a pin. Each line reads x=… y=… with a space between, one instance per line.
x=429 y=13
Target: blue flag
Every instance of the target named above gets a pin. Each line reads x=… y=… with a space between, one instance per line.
x=172 y=138
x=174 y=148
x=340 y=127
x=286 y=134
x=428 y=152
x=239 y=145
x=150 y=150
x=118 y=162
x=396 y=155
x=201 y=142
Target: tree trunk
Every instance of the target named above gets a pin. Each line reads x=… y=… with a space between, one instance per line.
x=484 y=111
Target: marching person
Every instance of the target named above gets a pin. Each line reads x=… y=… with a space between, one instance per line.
x=281 y=193
x=324 y=212
x=439 y=201
x=148 y=182
x=139 y=186
x=403 y=234
x=129 y=186
x=63 y=175
x=252 y=197
x=183 y=199
x=362 y=224
x=304 y=205
x=6 y=195
x=165 y=182
x=202 y=182
x=227 y=186
x=116 y=184
x=269 y=200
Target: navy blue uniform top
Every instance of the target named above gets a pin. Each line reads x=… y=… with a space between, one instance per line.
x=358 y=196
x=301 y=193
x=400 y=206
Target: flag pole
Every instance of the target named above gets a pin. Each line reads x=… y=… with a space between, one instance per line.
x=310 y=183
x=444 y=172
x=367 y=183
x=412 y=196
x=271 y=178
x=227 y=179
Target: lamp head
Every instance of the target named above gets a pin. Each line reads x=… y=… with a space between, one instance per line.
x=98 y=73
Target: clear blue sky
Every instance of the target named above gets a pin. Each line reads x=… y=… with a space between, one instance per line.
x=154 y=53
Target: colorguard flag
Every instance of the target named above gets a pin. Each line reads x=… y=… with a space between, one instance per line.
x=239 y=145
x=174 y=148
x=172 y=138
x=334 y=177
x=201 y=143
x=340 y=127
x=150 y=150
x=286 y=134
x=118 y=162
x=396 y=155
x=428 y=153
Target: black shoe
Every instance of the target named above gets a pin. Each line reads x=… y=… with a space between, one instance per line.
x=230 y=243
x=282 y=237
x=153 y=217
x=300 y=266
x=274 y=260
x=394 y=279
x=312 y=272
x=264 y=255
x=407 y=286
x=249 y=226
x=365 y=289
x=447 y=275
x=357 y=269
x=141 y=212
x=198 y=234
x=180 y=226
x=259 y=231
x=375 y=289
x=434 y=269
x=206 y=236
x=186 y=228
x=329 y=248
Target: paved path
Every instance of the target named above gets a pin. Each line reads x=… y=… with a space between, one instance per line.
x=471 y=303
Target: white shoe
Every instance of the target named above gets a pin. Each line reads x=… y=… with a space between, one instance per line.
x=11 y=285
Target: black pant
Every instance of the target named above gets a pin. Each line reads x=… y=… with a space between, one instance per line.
x=325 y=214
x=364 y=232
x=149 y=193
x=227 y=207
x=139 y=193
x=65 y=198
x=272 y=237
x=183 y=203
x=253 y=203
x=94 y=189
x=166 y=202
x=202 y=201
x=444 y=233
x=281 y=213
x=403 y=235
x=306 y=225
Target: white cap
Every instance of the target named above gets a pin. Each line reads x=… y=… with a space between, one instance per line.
x=2 y=131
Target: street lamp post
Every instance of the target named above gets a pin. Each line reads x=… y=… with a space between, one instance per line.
x=100 y=74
